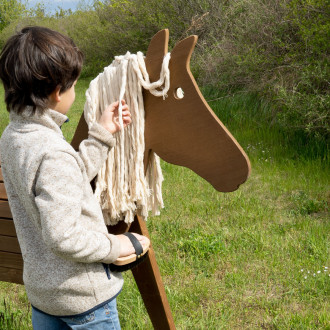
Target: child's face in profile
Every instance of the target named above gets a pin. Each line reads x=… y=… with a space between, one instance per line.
x=66 y=99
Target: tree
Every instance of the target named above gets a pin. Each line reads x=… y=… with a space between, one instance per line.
x=9 y=11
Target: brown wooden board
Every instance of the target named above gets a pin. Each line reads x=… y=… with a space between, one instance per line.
x=150 y=284
x=11 y=275
x=80 y=134
x=3 y=194
x=9 y=244
x=7 y=227
x=5 y=211
x=186 y=131
x=1 y=177
x=11 y=260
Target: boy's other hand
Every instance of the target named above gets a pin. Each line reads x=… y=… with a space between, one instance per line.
x=127 y=247
x=110 y=117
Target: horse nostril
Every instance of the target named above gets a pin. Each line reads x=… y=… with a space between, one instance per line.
x=178 y=93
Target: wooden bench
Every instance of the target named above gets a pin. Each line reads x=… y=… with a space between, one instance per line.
x=11 y=262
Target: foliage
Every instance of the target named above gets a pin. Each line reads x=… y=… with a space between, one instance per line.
x=10 y=10
x=269 y=47
x=306 y=104
x=313 y=25
x=276 y=48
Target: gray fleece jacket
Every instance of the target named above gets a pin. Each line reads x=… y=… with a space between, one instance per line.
x=58 y=221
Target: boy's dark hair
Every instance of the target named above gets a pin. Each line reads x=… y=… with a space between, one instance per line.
x=33 y=63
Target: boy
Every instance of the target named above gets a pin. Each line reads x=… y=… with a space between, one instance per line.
x=65 y=245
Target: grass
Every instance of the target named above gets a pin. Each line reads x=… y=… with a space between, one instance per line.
x=256 y=258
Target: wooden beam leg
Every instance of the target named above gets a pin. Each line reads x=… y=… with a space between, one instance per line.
x=151 y=287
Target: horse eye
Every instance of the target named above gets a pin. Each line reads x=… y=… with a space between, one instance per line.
x=178 y=93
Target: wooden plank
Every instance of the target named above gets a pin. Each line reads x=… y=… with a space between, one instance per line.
x=80 y=134
x=9 y=244
x=3 y=193
x=7 y=227
x=5 y=210
x=150 y=284
x=11 y=260
x=1 y=177
x=11 y=275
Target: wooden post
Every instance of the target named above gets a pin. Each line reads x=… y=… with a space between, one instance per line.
x=150 y=284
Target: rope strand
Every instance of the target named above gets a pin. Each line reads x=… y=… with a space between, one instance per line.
x=122 y=188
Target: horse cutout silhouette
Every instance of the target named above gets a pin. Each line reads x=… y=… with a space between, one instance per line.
x=185 y=131
x=181 y=129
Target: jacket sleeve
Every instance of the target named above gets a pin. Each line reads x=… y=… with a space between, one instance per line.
x=59 y=190
x=94 y=150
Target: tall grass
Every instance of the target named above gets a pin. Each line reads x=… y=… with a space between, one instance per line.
x=255 y=258
x=254 y=114
x=12 y=318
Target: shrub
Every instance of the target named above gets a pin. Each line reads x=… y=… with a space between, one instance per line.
x=9 y=10
x=276 y=48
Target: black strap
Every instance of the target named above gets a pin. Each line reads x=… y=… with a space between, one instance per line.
x=136 y=244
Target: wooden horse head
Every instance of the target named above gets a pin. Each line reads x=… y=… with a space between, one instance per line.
x=186 y=131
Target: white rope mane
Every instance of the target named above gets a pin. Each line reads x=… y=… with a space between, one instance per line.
x=122 y=188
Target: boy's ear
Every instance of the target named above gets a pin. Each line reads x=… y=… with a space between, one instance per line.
x=55 y=95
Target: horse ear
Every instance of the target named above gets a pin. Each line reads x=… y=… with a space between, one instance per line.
x=157 y=49
x=182 y=51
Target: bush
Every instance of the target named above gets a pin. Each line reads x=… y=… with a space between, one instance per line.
x=276 y=48
x=9 y=10
x=306 y=105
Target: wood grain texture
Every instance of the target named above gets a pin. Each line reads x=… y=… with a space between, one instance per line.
x=5 y=211
x=11 y=275
x=148 y=279
x=7 y=227
x=11 y=260
x=3 y=194
x=9 y=244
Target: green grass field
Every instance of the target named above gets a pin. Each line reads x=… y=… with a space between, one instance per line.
x=256 y=258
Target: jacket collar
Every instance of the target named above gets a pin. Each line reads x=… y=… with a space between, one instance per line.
x=50 y=118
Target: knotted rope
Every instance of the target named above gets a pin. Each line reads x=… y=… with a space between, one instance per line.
x=122 y=188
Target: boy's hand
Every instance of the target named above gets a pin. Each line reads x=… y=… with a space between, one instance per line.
x=127 y=247
x=110 y=117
